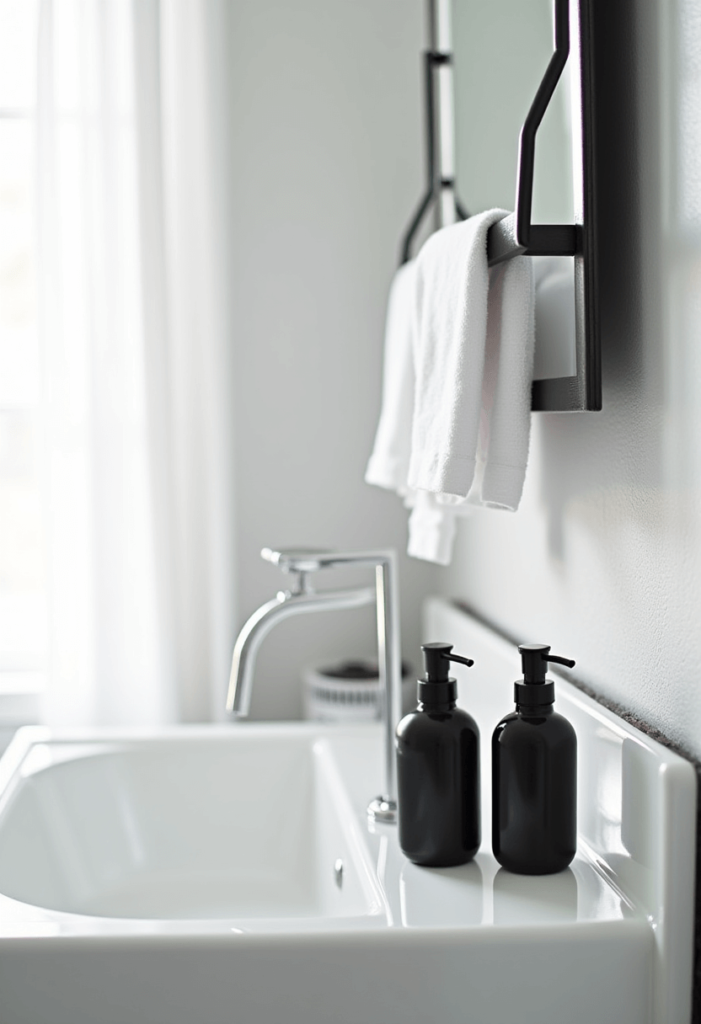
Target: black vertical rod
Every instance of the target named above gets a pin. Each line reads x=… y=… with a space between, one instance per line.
x=432 y=184
x=526 y=157
x=430 y=124
x=432 y=99
x=433 y=59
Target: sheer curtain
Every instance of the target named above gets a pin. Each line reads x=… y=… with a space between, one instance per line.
x=133 y=261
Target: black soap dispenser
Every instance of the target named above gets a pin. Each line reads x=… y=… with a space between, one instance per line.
x=438 y=770
x=534 y=775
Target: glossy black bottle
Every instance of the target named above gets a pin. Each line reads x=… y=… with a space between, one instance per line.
x=534 y=776
x=438 y=770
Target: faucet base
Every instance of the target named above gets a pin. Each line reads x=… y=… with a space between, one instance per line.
x=384 y=810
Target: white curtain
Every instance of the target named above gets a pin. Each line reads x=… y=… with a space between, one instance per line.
x=132 y=159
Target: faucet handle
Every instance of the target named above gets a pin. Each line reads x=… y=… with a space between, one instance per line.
x=300 y=560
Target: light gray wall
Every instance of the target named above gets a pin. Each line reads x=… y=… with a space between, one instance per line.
x=327 y=166
x=603 y=560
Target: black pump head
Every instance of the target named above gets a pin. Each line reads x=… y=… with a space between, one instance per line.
x=534 y=689
x=535 y=658
x=437 y=687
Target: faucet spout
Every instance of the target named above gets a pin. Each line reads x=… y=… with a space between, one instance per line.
x=300 y=599
x=258 y=626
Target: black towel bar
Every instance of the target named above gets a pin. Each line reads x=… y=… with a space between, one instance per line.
x=520 y=237
x=543 y=240
x=515 y=235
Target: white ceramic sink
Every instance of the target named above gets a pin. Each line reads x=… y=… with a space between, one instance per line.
x=190 y=876
x=253 y=828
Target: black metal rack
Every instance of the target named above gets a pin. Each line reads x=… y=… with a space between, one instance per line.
x=519 y=236
x=435 y=182
x=516 y=235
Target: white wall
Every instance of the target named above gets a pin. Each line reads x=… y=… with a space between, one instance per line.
x=603 y=560
x=327 y=167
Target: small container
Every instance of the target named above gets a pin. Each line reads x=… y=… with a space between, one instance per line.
x=534 y=775
x=348 y=692
x=438 y=770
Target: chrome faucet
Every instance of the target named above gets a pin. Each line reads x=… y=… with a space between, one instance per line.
x=301 y=598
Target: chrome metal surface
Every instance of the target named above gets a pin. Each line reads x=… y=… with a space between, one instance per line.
x=294 y=559
x=285 y=604
x=338 y=873
x=383 y=810
x=302 y=599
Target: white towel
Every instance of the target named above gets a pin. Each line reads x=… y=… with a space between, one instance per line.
x=456 y=393
x=389 y=463
x=474 y=362
x=431 y=526
x=506 y=389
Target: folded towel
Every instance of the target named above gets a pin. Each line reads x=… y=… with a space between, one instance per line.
x=458 y=368
x=431 y=526
x=506 y=389
x=389 y=463
x=474 y=362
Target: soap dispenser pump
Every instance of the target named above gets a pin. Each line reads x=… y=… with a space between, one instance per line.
x=438 y=769
x=534 y=775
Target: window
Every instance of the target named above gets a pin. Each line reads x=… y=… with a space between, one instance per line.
x=23 y=590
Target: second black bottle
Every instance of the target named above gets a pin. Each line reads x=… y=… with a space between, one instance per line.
x=438 y=770
x=534 y=775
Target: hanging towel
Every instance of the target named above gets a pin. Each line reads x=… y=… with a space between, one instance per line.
x=455 y=421
x=389 y=463
x=506 y=391
x=431 y=526
x=474 y=358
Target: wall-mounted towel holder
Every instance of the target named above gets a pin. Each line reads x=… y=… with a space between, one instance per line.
x=436 y=183
x=515 y=235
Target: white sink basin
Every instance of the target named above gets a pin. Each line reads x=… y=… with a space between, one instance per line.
x=253 y=828
x=190 y=876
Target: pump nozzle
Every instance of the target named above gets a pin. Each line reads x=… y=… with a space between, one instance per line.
x=568 y=662
x=535 y=658
x=436 y=661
